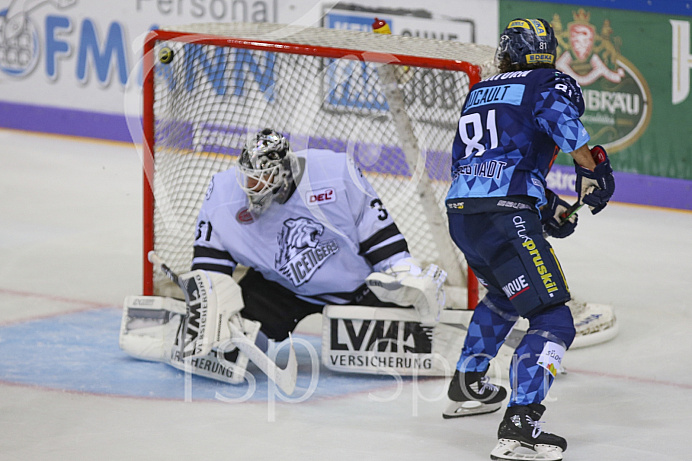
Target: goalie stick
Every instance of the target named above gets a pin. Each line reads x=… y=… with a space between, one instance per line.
x=168 y=272
x=284 y=378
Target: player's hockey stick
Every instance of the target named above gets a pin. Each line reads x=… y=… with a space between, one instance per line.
x=284 y=378
x=571 y=211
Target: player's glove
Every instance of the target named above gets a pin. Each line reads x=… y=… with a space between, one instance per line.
x=595 y=187
x=552 y=217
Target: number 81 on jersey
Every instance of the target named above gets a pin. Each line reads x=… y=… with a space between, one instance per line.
x=472 y=133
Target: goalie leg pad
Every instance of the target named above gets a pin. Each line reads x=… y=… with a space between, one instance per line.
x=594 y=323
x=223 y=363
x=149 y=326
x=360 y=339
x=212 y=299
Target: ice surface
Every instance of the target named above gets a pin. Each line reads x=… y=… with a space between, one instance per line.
x=70 y=240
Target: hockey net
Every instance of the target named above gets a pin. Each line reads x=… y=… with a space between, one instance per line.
x=391 y=102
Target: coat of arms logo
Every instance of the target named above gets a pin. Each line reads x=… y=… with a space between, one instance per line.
x=617 y=98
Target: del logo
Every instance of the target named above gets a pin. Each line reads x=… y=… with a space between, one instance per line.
x=617 y=98
x=318 y=197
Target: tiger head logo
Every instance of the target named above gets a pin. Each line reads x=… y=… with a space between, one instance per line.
x=301 y=253
x=295 y=236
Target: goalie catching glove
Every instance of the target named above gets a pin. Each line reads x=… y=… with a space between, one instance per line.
x=406 y=284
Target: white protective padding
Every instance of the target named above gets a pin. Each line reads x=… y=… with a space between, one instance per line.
x=213 y=299
x=213 y=365
x=595 y=323
x=149 y=326
x=377 y=340
x=149 y=331
x=406 y=284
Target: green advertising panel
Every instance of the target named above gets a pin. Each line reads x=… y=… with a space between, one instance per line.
x=634 y=70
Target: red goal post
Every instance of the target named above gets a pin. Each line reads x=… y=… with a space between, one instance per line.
x=391 y=102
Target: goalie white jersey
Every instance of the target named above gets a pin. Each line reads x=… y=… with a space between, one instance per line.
x=321 y=244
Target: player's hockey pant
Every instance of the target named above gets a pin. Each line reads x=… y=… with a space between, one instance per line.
x=512 y=259
x=491 y=322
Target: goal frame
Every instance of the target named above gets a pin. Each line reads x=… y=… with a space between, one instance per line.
x=473 y=71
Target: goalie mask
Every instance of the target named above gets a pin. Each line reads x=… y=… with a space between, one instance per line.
x=526 y=44
x=264 y=169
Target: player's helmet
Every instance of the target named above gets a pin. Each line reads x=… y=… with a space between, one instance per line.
x=264 y=169
x=526 y=44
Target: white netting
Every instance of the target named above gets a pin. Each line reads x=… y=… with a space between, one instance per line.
x=393 y=120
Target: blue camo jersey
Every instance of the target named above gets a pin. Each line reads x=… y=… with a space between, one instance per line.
x=511 y=128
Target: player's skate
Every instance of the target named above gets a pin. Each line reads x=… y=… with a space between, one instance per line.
x=472 y=394
x=521 y=438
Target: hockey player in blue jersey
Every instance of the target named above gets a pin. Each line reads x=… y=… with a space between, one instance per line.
x=511 y=128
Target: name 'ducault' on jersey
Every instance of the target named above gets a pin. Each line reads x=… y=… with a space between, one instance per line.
x=489 y=169
x=508 y=94
x=301 y=253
